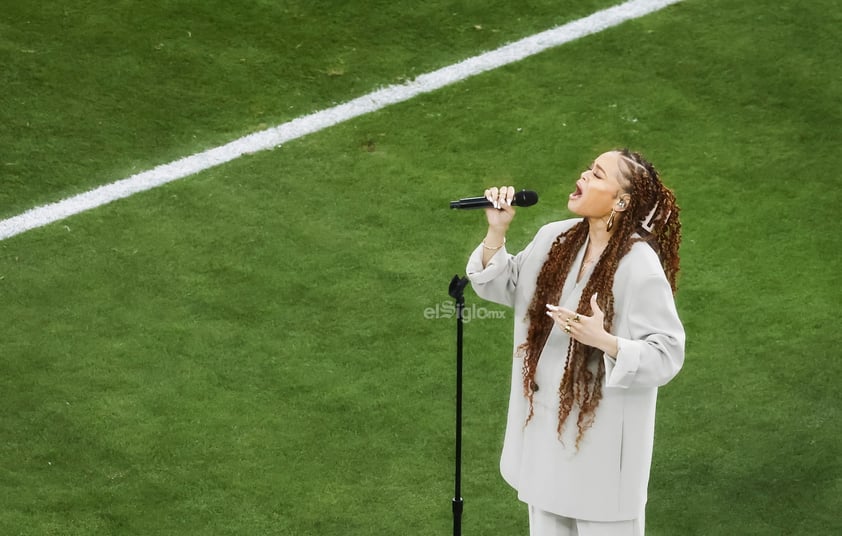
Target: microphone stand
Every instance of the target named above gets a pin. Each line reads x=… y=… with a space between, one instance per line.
x=457 y=287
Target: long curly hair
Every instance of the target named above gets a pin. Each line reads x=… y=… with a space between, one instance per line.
x=652 y=216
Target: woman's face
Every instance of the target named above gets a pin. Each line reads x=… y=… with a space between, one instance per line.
x=599 y=188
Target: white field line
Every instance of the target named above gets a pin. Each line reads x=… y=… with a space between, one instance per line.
x=308 y=124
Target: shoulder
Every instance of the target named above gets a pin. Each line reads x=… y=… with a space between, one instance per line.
x=550 y=231
x=640 y=262
x=543 y=240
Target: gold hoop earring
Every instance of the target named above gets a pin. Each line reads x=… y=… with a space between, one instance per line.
x=610 y=223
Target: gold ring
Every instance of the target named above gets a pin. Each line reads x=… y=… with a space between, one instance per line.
x=567 y=328
x=576 y=318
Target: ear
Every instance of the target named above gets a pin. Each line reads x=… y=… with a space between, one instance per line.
x=622 y=203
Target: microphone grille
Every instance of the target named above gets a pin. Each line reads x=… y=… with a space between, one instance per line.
x=525 y=198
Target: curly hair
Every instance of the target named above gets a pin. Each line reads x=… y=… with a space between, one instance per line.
x=652 y=216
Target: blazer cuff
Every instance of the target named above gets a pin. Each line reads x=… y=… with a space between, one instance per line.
x=496 y=266
x=621 y=370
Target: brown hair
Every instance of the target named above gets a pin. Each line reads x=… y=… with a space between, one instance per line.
x=652 y=216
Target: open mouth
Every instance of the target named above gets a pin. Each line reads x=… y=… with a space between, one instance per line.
x=578 y=193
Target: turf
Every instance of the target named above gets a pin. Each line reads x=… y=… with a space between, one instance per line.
x=246 y=351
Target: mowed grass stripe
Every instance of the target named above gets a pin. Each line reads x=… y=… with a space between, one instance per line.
x=308 y=124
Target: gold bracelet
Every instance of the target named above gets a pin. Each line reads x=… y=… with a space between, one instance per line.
x=494 y=249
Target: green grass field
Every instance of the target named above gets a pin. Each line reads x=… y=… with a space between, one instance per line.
x=246 y=351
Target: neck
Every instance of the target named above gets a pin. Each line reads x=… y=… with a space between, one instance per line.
x=598 y=235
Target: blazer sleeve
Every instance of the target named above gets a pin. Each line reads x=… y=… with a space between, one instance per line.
x=497 y=282
x=653 y=352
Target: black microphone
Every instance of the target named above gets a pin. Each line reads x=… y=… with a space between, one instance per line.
x=523 y=198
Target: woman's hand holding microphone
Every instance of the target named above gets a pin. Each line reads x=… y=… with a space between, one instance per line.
x=499 y=217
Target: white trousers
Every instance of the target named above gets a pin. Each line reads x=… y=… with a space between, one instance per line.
x=543 y=523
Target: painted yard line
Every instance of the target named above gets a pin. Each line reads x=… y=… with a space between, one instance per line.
x=308 y=124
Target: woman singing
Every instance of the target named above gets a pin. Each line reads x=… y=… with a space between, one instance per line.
x=596 y=333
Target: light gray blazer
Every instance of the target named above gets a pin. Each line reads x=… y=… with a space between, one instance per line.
x=607 y=478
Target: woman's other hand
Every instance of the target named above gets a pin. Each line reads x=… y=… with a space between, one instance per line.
x=589 y=330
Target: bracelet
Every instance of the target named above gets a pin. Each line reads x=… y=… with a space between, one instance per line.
x=494 y=249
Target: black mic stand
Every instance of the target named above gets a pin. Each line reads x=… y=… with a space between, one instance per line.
x=457 y=288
